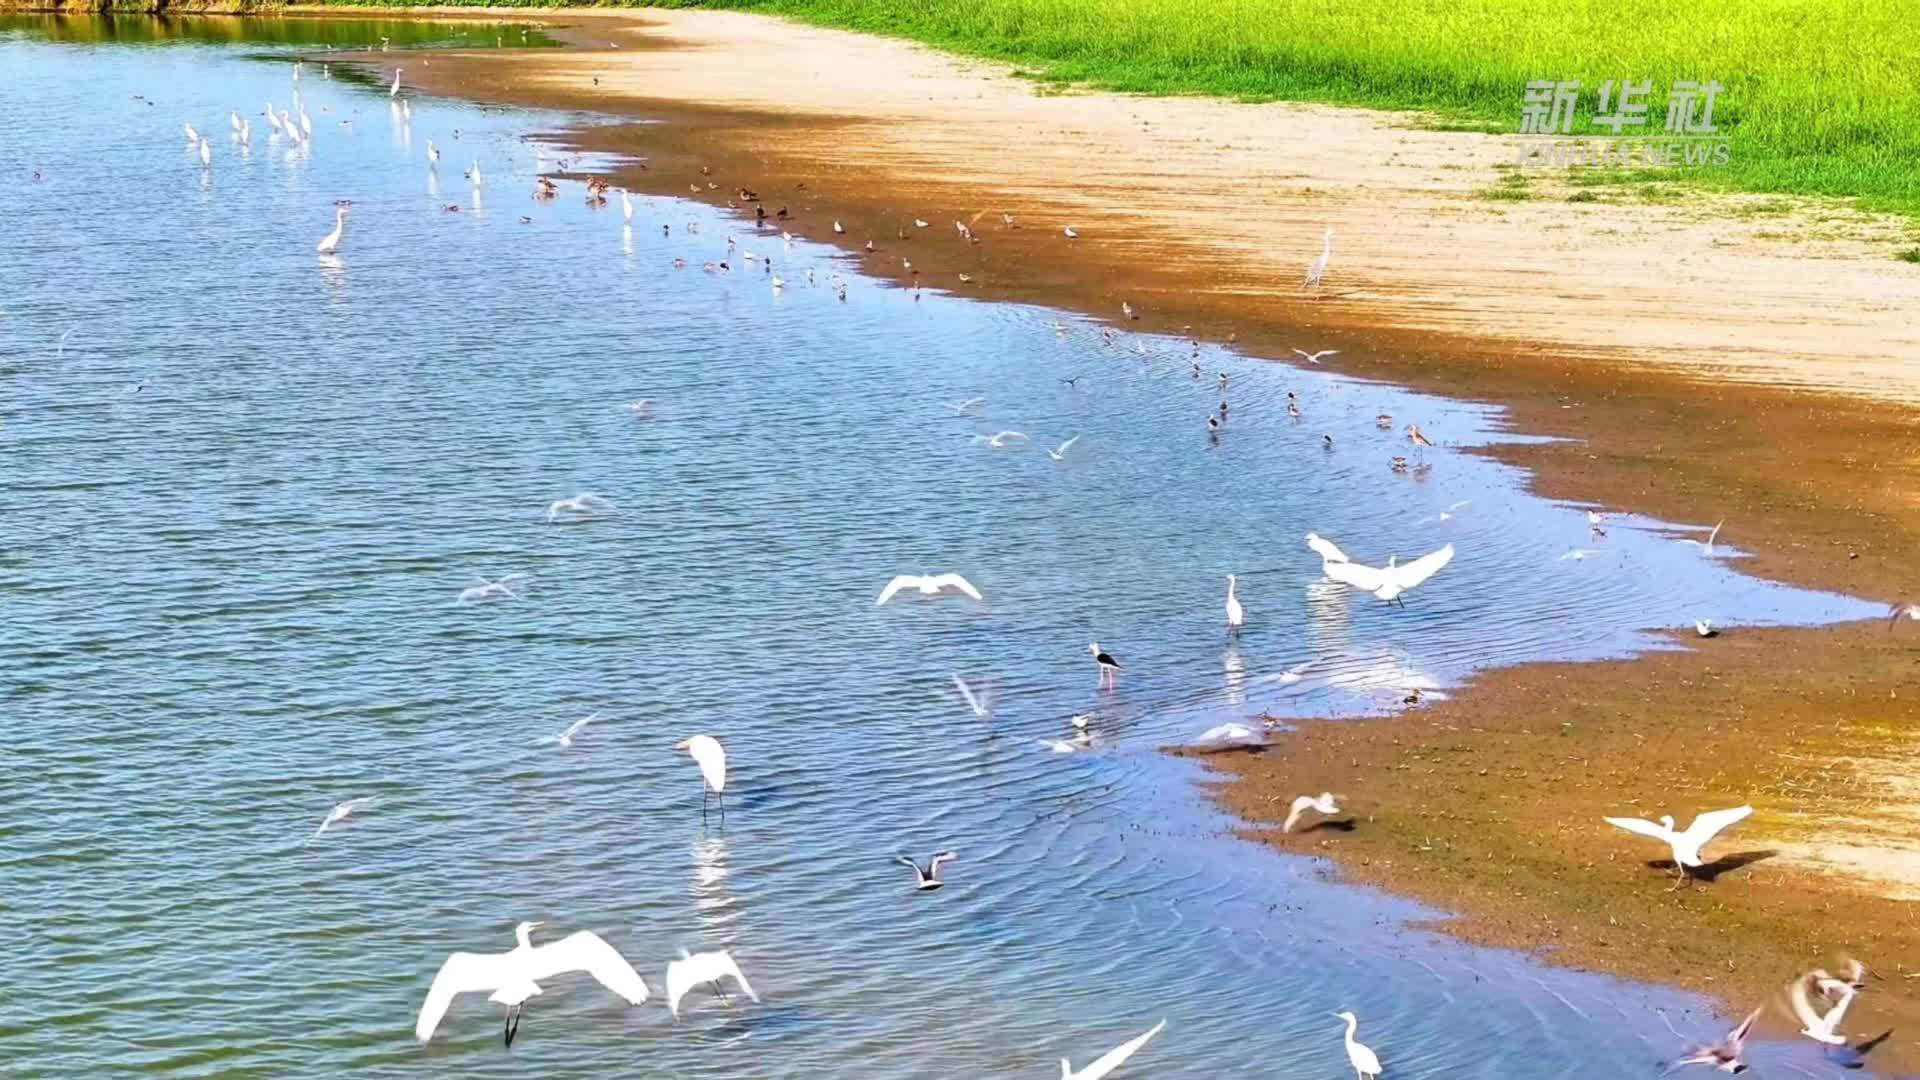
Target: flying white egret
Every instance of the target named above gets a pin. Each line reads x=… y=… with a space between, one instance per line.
x=979 y=703
x=927 y=585
x=1000 y=438
x=1725 y=1054
x=585 y=504
x=1386 y=583
x=960 y=408
x=694 y=969
x=1319 y=267
x=1314 y=357
x=1110 y=1060
x=712 y=759
x=341 y=812
x=1230 y=737
x=331 y=242
x=395 y=89
x=927 y=879
x=1813 y=1025
x=1706 y=548
x=490 y=590
x=1323 y=803
x=1061 y=454
x=1686 y=845
x=1236 y=615
x=565 y=738
x=1366 y=1063
x=514 y=976
x=1109 y=667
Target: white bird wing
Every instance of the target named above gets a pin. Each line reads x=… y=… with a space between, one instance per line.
x=1326 y=548
x=1803 y=1007
x=1364 y=578
x=688 y=972
x=1065 y=446
x=1407 y=575
x=574 y=728
x=584 y=950
x=967 y=692
x=463 y=972
x=901 y=581
x=1642 y=826
x=955 y=581
x=1115 y=1057
x=1713 y=822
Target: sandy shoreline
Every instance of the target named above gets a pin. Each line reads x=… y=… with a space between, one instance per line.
x=1711 y=357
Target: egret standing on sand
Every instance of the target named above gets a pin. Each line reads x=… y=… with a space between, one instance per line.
x=1686 y=845
x=712 y=759
x=1110 y=1060
x=1235 y=615
x=693 y=969
x=331 y=242
x=1366 y=1063
x=513 y=976
x=1319 y=267
x=1109 y=667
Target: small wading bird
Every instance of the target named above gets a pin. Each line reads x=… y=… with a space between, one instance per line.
x=1366 y=1063
x=977 y=702
x=1597 y=522
x=698 y=969
x=1070 y=234
x=586 y=505
x=1319 y=268
x=1112 y=1059
x=712 y=759
x=1314 y=357
x=1686 y=845
x=927 y=585
x=514 y=976
x=928 y=879
x=1725 y=1054
x=1323 y=803
x=1235 y=614
x=330 y=243
x=1109 y=667
x=341 y=812
x=1388 y=583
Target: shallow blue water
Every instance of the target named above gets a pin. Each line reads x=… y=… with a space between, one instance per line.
x=243 y=486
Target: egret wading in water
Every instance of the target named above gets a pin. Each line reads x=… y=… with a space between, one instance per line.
x=330 y=243
x=513 y=976
x=1366 y=1063
x=707 y=968
x=928 y=879
x=1110 y=1060
x=1109 y=667
x=712 y=759
x=1686 y=845
x=395 y=88
x=1235 y=614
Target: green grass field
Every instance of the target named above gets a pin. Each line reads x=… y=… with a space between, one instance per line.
x=1823 y=96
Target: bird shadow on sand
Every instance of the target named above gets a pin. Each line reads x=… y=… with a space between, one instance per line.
x=1857 y=1056
x=1340 y=825
x=1711 y=872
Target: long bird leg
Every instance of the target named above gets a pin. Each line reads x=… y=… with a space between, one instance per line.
x=513 y=1024
x=1682 y=878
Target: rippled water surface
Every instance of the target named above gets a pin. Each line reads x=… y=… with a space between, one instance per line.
x=241 y=487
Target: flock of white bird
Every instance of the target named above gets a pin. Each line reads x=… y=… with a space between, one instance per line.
x=513 y=977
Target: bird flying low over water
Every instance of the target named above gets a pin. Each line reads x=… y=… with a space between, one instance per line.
x=1324 y=803
x=513 y=976
x=1386 y=583
x=1686 y=845
x=1821 y=1028
x=927 y=585
x=927 y=879
x=695 y=969
x=586 y=504
x=1112 y=1059
x=341 y=812
x=1725 y=1054
x=1314 y=357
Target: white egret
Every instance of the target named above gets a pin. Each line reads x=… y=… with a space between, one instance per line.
x=1319 y=267
x=1706 y=548
x=1323 y=803
x=927 y=585
x=474 y=175
x=693 y=969
x=490 y=590
x=234 y=119
x=341 y=812
x=1070 y=234
x=331 y=242
x=395 y=89
x=838 y=228
x=1236 y=615
x=1388 y=583
x=1314 y=357
x=1061 y=454
x=206 y=154
x=981 y=705
x=1704 y=627
x=1000 y=439
x=513 y=976
x=1110 y=1060
x=586 y=504
x=712 y=759
x=928 y=879
x=1686 y=845
x=1813 y=1025
x=1230 y=737
x=306 y=124
x=192 y=135
x=1366 y=1063
x=433 y=155
x=1725 y=1054
x=273 y=118
x=565 y=738
x=1109 y=667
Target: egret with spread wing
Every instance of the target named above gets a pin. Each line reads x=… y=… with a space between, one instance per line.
x=514 y=976
x=694 y=969
x=1323 y=803
x=1387 y=583
x=1110 y=1060
x=1686 y=845
x=928 y=585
